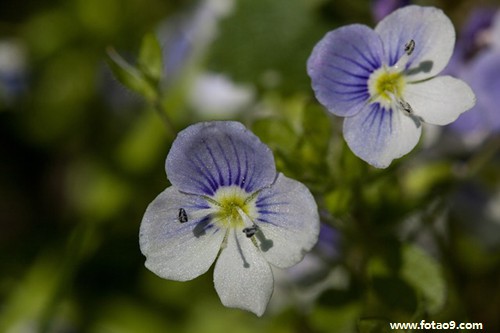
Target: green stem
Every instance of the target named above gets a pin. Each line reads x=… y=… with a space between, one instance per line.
x=160 y=110
x=73 y=255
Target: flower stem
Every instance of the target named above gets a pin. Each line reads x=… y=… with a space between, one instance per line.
x=160 y=110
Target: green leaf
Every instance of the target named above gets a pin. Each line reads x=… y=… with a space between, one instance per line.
x=338 y=319
x=317 y=128
x=373 y=325
x=150 y=60
x=339 y=200
x=267 y=42
x=424 y=274
x=130 y=76
x=422 y=179
x=141 y=147
x=395 y=293
x=275 y=133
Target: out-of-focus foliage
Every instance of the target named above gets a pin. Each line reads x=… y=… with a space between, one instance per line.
x=83 y=153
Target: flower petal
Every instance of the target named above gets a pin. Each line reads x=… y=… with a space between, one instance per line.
x=432 y=32
x=483 y=75
x=288 y=222
x=340 y=65
x=242 y=277
x=495 y=31
x=484 y=78
x=208 y=155
x=178 y=250
x=441 y=100
x=378 y=136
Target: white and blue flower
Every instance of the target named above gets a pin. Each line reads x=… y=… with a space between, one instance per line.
x=227 y=202
x=477 y=62
x=384 y=81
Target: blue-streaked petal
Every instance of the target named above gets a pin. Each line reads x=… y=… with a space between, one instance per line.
x=340 y=65
x=432 y=32
x=378 y=136
x=495 y=31
x=206 y=156
x=288 y=222
x=382 y=8
x=483 y=75
x=441 y=100
x=179 y=250
x=242 y=277
x=484 y=78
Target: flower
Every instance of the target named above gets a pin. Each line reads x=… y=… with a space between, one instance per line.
x=477 y=62
x=186 y=36
x=227 y=202
x=303 y=283
x=13 y=71
x=216 y=95
x=483 y=75
x=382 y=8
x=384 y=82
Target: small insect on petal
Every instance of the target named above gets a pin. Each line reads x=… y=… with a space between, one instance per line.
x=250 y=231
x=182 y=215
x=409 y=47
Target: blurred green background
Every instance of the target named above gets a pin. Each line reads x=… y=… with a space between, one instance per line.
x=82 y=156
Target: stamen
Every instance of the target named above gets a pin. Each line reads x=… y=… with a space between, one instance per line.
x=408 y=110
x=401 y=63
x=182 y=216
x=251 y=228
x=250 y=231
x=409 y=47
x=405 y=106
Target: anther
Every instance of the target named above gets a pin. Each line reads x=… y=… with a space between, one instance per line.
x=250 y=231
x=182 y=216
x=405 y=106
x=409 y=47
x=401 y=63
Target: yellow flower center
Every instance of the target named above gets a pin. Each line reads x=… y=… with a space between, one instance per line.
x=233 y=207
x=386 y=86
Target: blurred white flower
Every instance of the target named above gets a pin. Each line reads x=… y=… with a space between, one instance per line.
x=187 y=35
x=216 y=95
x=493 y=207
x=12 y=69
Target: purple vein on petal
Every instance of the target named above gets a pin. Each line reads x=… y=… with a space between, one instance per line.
x=268 y=212
x=361 y=95
x=260 y=204
x=352 y=61
x=245 y=176
x=214 y=160
x=371 y=115
x=202 y=186
x=340 y=69
x=390 y=119
x=374 y=62
x=260 y=219
x=380 y=123
x=355 y=85
x=238 y=175
x=251 y=179
x=228 y=164
x=203 y=170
